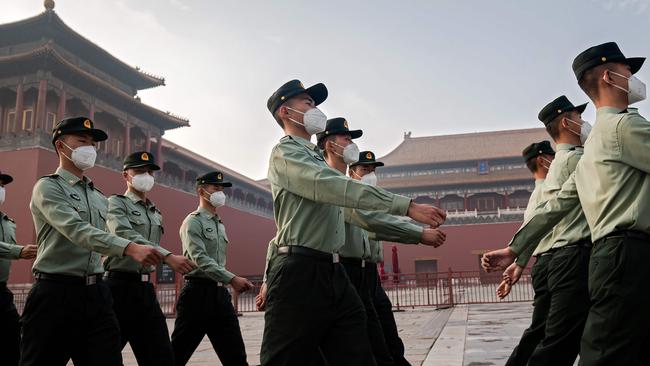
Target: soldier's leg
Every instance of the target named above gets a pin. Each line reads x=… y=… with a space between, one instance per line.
x=384 y=309
x=567 y=281
x=123 y=308
x=189 y=328
x=100 y=338
x=9 y=328
x=224 y=332
x=541 y=304
x=46 y=331
x=150 y=337
x=618 y=322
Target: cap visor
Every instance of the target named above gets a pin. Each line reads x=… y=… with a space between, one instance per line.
x=98 y=135
x=6 y=179
x=635 y=63
x=369 y=163
x=580 y=108
x=152 y=166
x=317 y=92
x=223 y=184
x=355 y=134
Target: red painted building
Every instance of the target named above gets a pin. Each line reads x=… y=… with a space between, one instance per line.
x=49 y=72
x=479 y=178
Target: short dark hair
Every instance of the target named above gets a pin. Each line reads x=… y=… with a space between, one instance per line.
x=553 y=128
x=589 y=81
x=532 y=164
x=321 y=142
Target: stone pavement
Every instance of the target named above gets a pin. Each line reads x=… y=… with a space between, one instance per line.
x=467 y=335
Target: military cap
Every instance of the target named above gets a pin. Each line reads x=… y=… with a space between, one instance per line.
x=75 y=125
x=367 y=158
x=6 y=178
x=338 y=126
x=558 y=106
x=292 y=88
x=215 y=178
x=140 y=159
x=601 y=54
x=536 y=149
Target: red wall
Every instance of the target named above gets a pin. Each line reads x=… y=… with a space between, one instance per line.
x=249 y=234
x=459 y=251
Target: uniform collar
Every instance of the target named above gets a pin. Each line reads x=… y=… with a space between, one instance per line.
x=207 y=214
x=538 y=182
x=304 y=142
x=134 y=197
x=608 y=110
x=565 y=147
x=71 y=178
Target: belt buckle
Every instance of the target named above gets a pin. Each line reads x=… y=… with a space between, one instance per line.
x=91 y=280
x=335 y=257
x=363 y=263
x=144 y=277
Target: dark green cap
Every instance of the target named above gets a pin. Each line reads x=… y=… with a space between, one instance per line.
x=558 y=106
x=338 y=126
x=292 y=88
x=601 y=54
x=140 y=159
x=6 y=178
x=536 y=149
x=367 y=158
x=215 y=177
x=76 y=125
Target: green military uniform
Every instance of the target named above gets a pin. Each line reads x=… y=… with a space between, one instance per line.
x=612 y=183
x=534 y=334
x=310 y=302
x=9 y=326
x=570 y=246
x=68 y=312
x=142 y=322
x=205 y=306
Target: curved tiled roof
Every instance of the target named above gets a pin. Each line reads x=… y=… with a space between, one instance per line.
x=463 y=147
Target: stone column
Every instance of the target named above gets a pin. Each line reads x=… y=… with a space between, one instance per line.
x=159 y=153
x=18 y=120
x=127 y=137
x=60 y=111
x=41 y=105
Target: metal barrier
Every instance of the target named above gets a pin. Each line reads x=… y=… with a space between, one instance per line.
x=408 y=290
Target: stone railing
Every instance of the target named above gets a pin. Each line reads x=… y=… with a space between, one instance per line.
x=477 y=217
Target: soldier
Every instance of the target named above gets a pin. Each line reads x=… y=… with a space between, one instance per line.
x=205 y=306
x=310 y=302
x=134 y=217
x=612 y=184
x=9 y=326
x=364 y=170
x=356 y=254
x=68 y=312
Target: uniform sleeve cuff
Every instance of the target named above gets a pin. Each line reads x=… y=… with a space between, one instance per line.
x=415 y=235
x=118 y=247
x=15 y=251
x=400 y=205
x=163 y=251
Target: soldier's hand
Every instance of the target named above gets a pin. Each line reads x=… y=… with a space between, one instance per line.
x=144 y=254
x=260 y=299
x=433 y=237
x=240 y=284
x=504 y=289
x=513 y=273
x=426 y=214
x=180 y=264
x=498 y=260
x=28 y=252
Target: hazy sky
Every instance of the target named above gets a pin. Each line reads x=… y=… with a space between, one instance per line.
x=430 y=67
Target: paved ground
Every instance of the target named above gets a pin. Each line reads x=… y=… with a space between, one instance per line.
x=474 y=335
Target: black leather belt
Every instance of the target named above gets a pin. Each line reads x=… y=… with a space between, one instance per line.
x=128 y=276
x=579 y=244
x=630 y=234
x=308 y=252
x=203 y=281
x=356 y=262
x=72 y=280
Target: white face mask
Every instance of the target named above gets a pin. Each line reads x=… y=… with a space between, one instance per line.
x=314 y=120
x=370 y=179
x=82 y=157
x=635 y=88
x=2 y=195
x=217 y=199
x=350 y=153
x=585 y=130
x=142 y=182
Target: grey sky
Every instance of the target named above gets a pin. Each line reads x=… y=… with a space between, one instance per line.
x=430 y=67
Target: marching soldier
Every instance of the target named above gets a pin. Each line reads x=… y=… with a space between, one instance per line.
x=205 y=306
x=310 y=303
x=356 y=253
x=134 y=217
x=68 y=312
x=9 y=326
